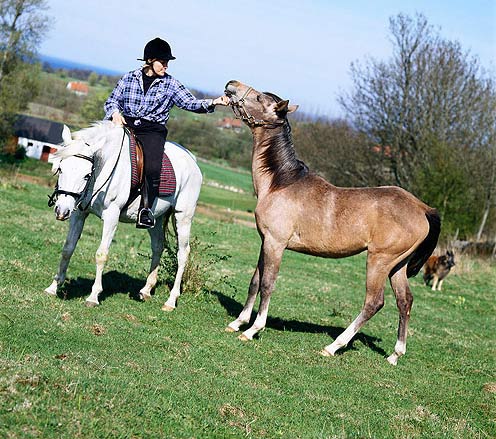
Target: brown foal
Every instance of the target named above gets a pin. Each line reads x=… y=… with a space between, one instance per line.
x=300 y=211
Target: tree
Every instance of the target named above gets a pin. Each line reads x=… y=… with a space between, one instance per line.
x=431 y=98
x=93 y=78
x=22 y=26
x=339 y=153
x=92 y=108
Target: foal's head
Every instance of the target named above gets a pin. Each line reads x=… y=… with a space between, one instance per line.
x=255 y=108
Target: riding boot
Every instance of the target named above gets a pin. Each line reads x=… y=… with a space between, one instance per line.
x=145 y=218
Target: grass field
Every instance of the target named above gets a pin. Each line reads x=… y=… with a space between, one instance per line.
x=128 y=370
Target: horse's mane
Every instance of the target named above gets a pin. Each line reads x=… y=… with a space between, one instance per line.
x=89 y=141
x=279 y=156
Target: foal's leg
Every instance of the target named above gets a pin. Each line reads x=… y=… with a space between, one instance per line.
x=110 y=217
x=271 y=261
x=244 y=316
x=183 y=227
x=404 y=301
x=75 y=228
x=157 y=244
x=374 y=301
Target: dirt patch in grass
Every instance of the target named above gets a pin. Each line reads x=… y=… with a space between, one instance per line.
x=98 y=329
x=490 y=387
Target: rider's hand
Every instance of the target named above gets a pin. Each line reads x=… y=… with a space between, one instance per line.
x=118 y=119
x=221 y=100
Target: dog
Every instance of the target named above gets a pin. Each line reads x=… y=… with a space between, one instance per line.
x=437 y=268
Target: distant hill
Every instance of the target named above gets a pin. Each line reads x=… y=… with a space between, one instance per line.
x=59 y=63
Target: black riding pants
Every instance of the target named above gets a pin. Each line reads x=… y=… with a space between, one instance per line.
x=152 y=136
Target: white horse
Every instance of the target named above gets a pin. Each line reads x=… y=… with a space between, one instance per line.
x=95 y=177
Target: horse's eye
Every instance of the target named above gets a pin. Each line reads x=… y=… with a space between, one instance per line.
x=258 y=98
x=87 y=176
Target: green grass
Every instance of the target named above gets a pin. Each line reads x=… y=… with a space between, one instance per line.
x=128 y=370
x=227 y=199
x=227 y=177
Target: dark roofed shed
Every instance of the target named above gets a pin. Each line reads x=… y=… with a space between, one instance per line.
x=43 y=130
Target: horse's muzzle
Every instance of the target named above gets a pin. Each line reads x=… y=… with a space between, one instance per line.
x=62 y=214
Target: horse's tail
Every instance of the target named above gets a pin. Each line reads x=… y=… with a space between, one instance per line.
x=420 y=255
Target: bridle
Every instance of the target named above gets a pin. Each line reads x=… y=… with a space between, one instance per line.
x=240 y=112
x=78 y=196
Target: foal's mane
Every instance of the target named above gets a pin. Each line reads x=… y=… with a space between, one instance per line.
x=279 y=156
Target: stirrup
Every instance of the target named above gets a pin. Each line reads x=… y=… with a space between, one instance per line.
x=145 y=219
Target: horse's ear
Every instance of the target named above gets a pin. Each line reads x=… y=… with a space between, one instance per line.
x=66 y=134
x=292 y=108
x=284 y=107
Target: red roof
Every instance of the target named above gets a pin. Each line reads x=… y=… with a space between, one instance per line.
x=80 y=87
x=228 y=122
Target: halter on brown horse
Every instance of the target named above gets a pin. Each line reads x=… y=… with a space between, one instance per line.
x=300 y=211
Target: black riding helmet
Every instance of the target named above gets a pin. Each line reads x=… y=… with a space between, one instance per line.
x=157 y=49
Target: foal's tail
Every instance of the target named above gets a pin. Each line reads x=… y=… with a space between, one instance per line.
x=424 y=250
x=420 y=255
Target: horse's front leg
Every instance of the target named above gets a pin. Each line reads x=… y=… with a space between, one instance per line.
x=110 y=218
x=75 y=228
x=157 y=245
x=183 y=227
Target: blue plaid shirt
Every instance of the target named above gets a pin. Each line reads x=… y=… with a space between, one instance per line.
x=165 y=92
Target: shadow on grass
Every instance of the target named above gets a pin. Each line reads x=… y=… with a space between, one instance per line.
x=114 y=282
x=234 y=308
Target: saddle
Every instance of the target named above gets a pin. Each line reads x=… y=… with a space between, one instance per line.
x=167 y=185
x=137 y=160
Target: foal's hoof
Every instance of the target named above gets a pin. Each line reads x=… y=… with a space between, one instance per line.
x=229 y=329
x=168 y=308
x=326 y=353
x=243 y=337
x=393 y=359
x=90 y=304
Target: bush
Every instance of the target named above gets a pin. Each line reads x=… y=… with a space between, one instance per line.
x=199 y=275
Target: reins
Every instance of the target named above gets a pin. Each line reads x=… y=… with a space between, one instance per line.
x=240 y=112
x=79 y=197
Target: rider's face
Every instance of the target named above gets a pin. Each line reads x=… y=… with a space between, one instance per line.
x=159 y=66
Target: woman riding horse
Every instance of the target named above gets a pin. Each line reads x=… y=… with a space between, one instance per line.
x=142 y=100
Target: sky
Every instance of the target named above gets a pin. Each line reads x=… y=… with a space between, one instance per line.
x=299 y=50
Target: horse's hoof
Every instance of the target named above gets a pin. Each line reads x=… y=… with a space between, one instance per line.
x=144 y=297
x=168 y=308
x=229 y=329
x=243 y=337
x=90 y=304
x=326 y=353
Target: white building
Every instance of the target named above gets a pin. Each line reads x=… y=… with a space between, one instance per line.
x=40 y=137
